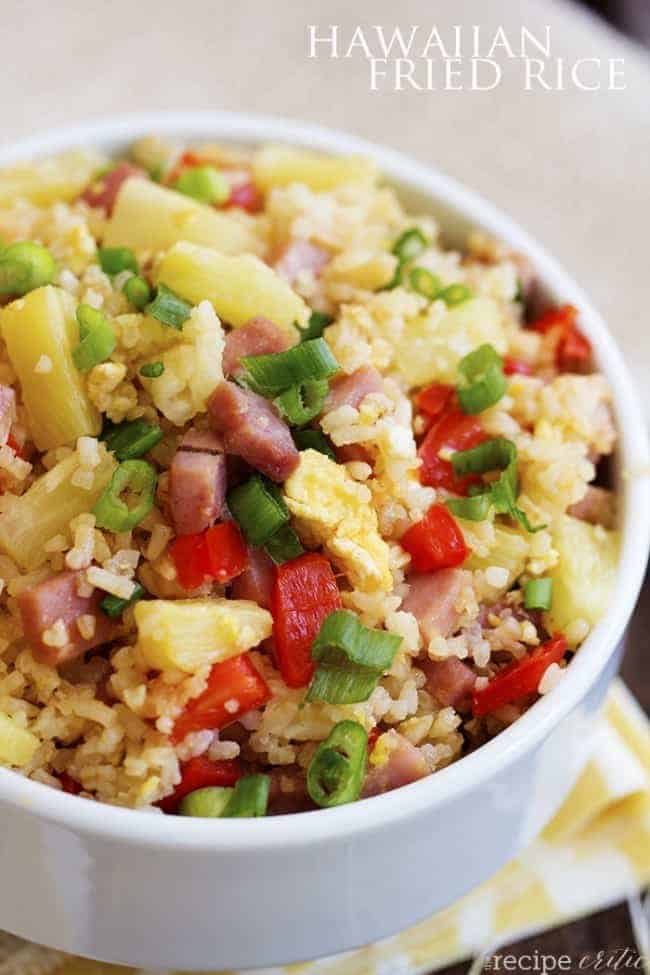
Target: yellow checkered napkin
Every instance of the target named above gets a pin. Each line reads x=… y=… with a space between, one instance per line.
x=595 y=852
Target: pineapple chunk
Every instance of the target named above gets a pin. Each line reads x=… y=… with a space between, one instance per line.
x=187 y=634
x=282 y=165
x=49 y=180
x=43 y=324
x=17 y=745
x=238 y=287
x=149 y=217
x=585 y=574
x=432 y=346
x=47 y=509
x=509 y=551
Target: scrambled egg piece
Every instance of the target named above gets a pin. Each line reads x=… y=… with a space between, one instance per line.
x=334 y=511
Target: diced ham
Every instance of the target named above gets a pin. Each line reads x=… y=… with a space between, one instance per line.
x=256 y=581
x=259 y=336
x=55 y=599
x=405 y=764
x=103 y=192
x=299 y=256
x=432 y=599
x=197 y=482
x=450 y=681
x=352 y=390
x=252 y=429
x=7 y=411
x=597 y=507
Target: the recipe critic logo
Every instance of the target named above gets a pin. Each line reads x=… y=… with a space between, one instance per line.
x=461 y=58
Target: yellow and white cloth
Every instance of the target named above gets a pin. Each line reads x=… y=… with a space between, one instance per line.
x=595 y=852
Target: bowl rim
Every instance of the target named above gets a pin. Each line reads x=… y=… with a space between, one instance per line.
x=344 y=822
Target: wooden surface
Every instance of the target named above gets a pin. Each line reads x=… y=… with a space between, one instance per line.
x=608 y=931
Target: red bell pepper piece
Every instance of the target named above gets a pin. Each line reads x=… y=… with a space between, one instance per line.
x=190 y=556
x=304 y=593
x=454 y=431
x=218 y=553
x=227 y=555
x=573 y=351
x=436 y=542
x=199 y=773
x=516 y=367
x=68 y=784
x=433 y=399
x=563 y=317
x=234 y=687
x=247 y=197
x=520 y=678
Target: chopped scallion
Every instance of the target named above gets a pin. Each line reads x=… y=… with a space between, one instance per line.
x=114 y=606
x=169 y=308
x=409 y=245
x=250 y=797
x=300 y=404
x=258 y=508
x=206 y=803
x=152 y=370
x=284 y=545
x=136 y=480
x=350 y=657
x=471 y=509
x=270 y=375
x=336 y=771
x=114 y=260
x=483 y=381
x=97 y=339
x=313 y=440
x=205 y=184
x=425 y=283
x=137 y=292
x=25 y=266
x=132 y=438
x=455 y=294
x=318 y=322
x=538 y=593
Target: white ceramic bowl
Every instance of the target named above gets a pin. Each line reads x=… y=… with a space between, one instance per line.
x=163 y=892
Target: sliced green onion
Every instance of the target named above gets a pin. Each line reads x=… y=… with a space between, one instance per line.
x=498 y=454
x=336 y=772
x=168 y=308
x=313 y=440
x=137 y=292
x=152 y=370
x=471 y=509
x=538 y=594
x=250 y=797
x=114 y=606
x=258 y=508
x=207 y=803
x=318 y=322
x=302 y=403
x=113 y=260
x=271 y=375
x=425 y=283
x=409 y=245
x=132 y=439
x=351 y=658
x=136 y=479
x=483 y=382
x=455 y=294
x=25 y=266
x=203 y=183
x=97 y=339
x=284 y=545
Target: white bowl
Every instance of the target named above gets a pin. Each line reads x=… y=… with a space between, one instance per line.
x=162 y=892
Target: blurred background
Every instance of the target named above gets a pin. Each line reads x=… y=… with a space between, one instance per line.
x=631 y=16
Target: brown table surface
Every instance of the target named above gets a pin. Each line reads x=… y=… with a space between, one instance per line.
x=608 y=931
